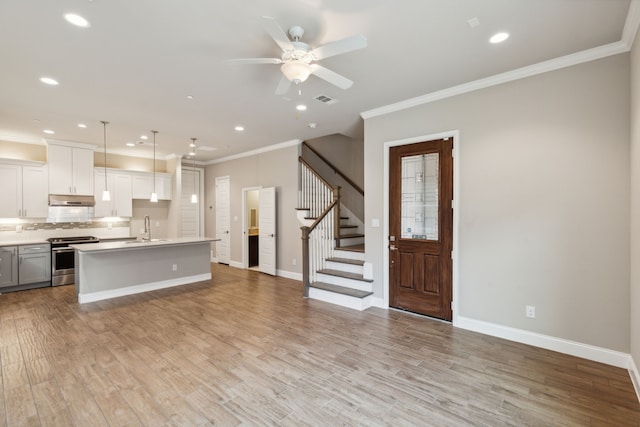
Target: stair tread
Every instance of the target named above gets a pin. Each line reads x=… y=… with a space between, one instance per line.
x=344 y=274
x=346 y=261
x=354 y=248
x=340 y=289
x=351 y=236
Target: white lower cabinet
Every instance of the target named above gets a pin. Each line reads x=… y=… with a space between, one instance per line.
x=119 y=185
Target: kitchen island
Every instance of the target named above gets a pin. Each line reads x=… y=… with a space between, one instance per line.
x=115 y=269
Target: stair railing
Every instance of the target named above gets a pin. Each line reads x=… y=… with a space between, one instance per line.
x=318 y=239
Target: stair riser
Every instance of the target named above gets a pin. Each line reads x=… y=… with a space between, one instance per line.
x=349 y=255
x=343 y=281
x=342 y=300
x=349 y=268
x=351 y=242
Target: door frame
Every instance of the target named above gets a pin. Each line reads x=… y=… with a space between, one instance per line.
x=455 y=134
x=245 y=222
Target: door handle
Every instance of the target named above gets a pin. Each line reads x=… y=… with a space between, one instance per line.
x=393 y=248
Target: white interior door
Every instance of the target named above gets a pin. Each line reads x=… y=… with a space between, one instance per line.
x=267 y=221
x=223 y=222
x=190 y=212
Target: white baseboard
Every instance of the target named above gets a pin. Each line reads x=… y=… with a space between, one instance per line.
x=635 y=376
x=137 y=289
x=379 y=302
x=236 y=264
x=289 y=275
x=586 y=351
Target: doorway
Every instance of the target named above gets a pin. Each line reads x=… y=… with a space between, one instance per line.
x=223 y=221
x=421 y=227
x=259 y=246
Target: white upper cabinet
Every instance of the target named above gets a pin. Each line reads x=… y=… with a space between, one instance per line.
x=23 y=191
x=35 y=192
x=70 y=169
x=143 y=185
x=119 y=186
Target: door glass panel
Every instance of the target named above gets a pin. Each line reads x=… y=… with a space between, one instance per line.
x=420 y=181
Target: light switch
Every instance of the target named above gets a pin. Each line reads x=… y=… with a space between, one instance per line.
x=375 y=223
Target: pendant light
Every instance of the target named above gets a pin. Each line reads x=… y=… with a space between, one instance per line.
x=154 y=195
x=106 y=196
x=194 y=196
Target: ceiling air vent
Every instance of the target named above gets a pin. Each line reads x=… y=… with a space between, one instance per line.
x=325 y=99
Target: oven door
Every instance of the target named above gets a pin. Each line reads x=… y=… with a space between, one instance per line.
x=62 y=261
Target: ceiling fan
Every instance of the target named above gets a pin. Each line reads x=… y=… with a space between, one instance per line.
x=298 y=58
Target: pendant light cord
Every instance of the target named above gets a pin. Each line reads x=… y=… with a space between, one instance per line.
x=154 y=159
x=104 y=125
x=194 y=164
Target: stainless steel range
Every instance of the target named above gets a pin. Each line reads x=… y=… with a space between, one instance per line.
x=63 y=258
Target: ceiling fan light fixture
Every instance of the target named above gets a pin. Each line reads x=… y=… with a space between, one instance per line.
x=296 y=71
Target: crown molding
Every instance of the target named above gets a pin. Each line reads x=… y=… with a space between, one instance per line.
x=631 y=25
x=273 y=147
x=498 y=79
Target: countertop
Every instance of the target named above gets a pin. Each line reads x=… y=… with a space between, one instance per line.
x=134 y=244
x=23 y=242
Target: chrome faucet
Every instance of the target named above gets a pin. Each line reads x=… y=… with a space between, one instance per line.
x=147 y=227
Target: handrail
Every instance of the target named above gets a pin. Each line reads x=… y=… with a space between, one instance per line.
x=335 y=170
x=315 y=172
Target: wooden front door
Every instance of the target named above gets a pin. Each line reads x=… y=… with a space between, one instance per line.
x=421 y=227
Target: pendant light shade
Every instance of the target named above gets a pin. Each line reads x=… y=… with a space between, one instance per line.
x=194 y=196
x=154 y=195
x=106 y=196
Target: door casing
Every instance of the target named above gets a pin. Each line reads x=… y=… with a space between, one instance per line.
x=455 y=134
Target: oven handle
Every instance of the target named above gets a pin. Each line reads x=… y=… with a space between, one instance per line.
x=62 y=250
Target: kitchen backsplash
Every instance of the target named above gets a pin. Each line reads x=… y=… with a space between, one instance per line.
x=43 y=230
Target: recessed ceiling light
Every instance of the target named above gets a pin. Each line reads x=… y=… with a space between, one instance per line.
x=48 y=131
x=49 y=81
x=76 y=20
x=499 y=38
x=82 y=125
x=239 y=128
x=145 y=137
x=312 y=125
x=131 y=144
x=301 y=107
x=189 y=96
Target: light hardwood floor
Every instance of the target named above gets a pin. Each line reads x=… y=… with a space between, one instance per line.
x=245 y=348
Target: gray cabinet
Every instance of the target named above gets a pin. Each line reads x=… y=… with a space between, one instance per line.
x=34 y=264
x=8 y=266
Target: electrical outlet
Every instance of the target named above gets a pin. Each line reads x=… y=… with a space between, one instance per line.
x=294 y=262
x=530 y=311
x=18 y=229
x=175 y=267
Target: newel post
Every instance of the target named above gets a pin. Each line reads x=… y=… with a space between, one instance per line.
x=305 y=259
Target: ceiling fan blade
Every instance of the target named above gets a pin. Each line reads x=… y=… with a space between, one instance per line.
x=340 y=46
x=255 y=61
x=331 y=76
x=283 y=86
x=277 y=33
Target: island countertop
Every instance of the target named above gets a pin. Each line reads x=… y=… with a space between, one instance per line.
x=137 y=244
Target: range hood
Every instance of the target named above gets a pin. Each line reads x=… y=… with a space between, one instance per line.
x=70 y=208
x=71 y=200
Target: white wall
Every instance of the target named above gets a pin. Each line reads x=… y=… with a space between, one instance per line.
x=635 y=202
x=278 y=168
x=543 y=199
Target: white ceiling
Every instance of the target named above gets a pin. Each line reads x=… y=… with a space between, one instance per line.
x=136 y=64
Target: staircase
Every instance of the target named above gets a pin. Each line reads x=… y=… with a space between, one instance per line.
x=333 y=246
